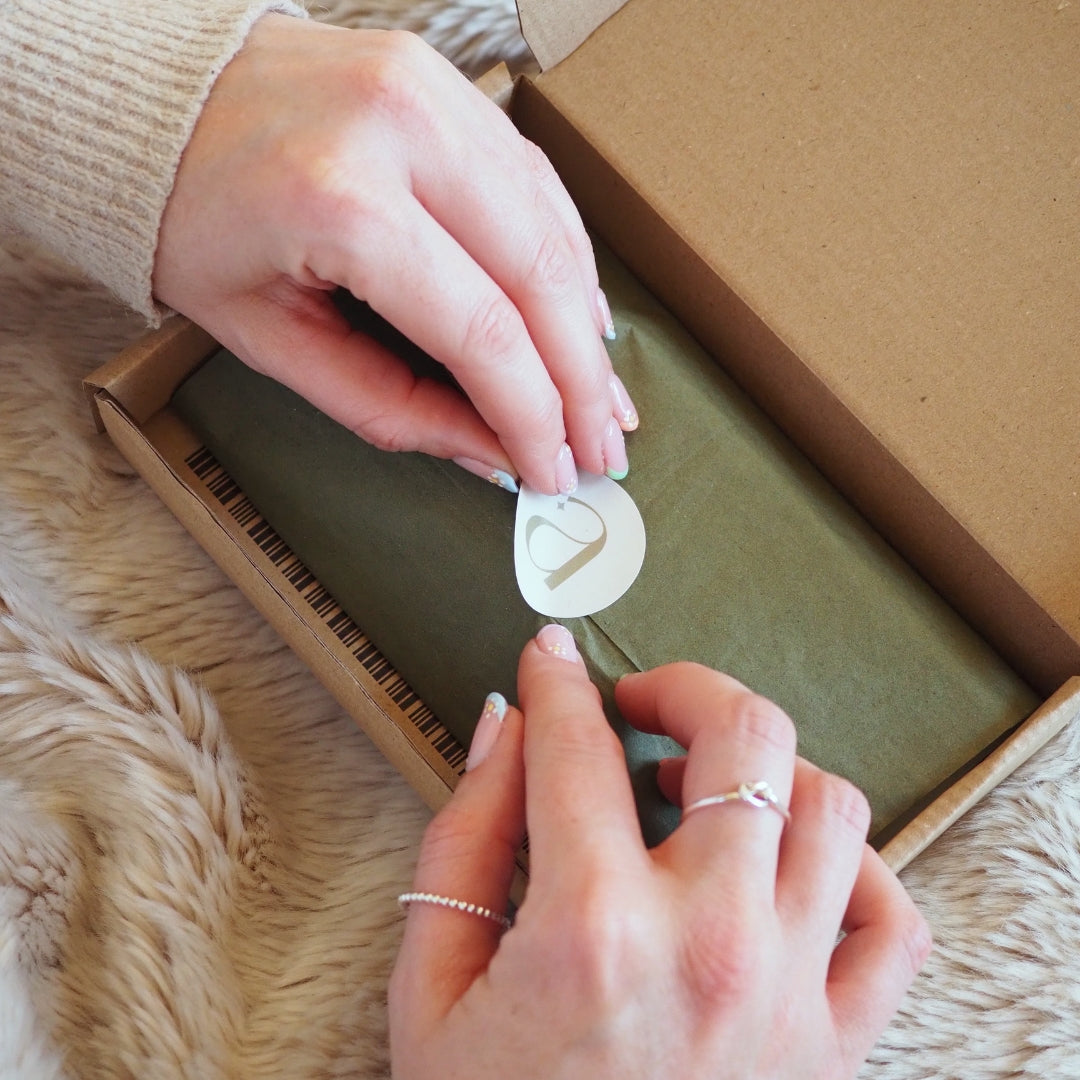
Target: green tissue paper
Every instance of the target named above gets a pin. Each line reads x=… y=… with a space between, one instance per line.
x=755 y=565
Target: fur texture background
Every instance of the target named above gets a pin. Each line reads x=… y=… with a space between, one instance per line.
x=199 y=853
x=475 y=34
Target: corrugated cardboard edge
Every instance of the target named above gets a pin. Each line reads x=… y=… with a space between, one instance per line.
x=148 y=372
x=553 y=29
x=1047 y=721
x=271 y=604
x=144 y=388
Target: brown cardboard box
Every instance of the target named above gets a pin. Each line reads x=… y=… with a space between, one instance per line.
x=871 y=215
x=802 y=188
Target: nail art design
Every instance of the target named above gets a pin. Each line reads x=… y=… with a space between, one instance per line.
x=605 y=315
x=492 y=475
x=616 y=463
x=566 y=478
x=556 y=640
x=623 y=407
x=495 y=704
x=503 y=479
x=488 y=728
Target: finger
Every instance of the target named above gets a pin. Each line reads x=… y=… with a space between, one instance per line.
x=299 y=338
x=639 y=695
x=436 y=295
x=513 y=230
x=536 y=170
x=487 y=181
x=669 y=778
x=886 y=945
x=543 y=175
x=580 y=806
x=444 y=120
x=733 y=737
x=820 y=855
x=467 y=854
x=501 y=201
x=490 y=167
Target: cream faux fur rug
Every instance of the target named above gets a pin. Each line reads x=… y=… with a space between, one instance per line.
x=199 y=853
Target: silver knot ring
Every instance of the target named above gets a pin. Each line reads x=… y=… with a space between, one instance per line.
x=759 y=794
x=405 y=899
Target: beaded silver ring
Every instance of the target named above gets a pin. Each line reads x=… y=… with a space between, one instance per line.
x=405 y=899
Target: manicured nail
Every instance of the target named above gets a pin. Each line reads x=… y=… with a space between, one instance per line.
x=615 y=460
x=556 y=640
x=487 y=730
x=566 y=471
x=605 y=315
x=623 y=407
x=499 y=477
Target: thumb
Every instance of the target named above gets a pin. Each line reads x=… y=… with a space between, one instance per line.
x=467 y=855
x=300 y=339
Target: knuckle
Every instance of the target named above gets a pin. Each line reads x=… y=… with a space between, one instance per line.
x=539 y=165
x=387 y=428
x=581 y=247
x=758 y=721
x=536 y=431
x=389 y=77
x=588 y=742
x=915 y=938
x=601 y=948
x=546 y=412
x=444 y=832
x=321 y=183
x=336 y=207
x=840 y=800
x=387 y=433
x=552 y=269
x=406 y=45
x=720 y=962
x=491 y=330
x=551 y=187
x=447 y=834
x=394 y=84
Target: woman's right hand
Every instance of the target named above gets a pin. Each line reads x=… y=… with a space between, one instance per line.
x=713 y=955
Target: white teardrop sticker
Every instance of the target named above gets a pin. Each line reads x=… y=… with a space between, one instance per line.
x=576 y=554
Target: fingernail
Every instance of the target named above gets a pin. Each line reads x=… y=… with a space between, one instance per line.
x=566 y=471
x=605 y=315
x=487 y=730
x=669 y=762
x=499 y=477
x=556 y=640
x=615 y=461
x=625 y=412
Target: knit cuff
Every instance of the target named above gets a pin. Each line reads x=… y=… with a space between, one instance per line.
x=98 y=100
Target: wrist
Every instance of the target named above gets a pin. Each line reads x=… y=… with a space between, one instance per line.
x=99 y=146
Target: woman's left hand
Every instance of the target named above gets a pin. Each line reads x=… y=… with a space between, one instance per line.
x=331 y=158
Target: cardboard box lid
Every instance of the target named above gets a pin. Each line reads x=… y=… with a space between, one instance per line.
x=894 y=192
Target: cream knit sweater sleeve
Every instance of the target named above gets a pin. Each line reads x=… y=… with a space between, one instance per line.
x=98 y=99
